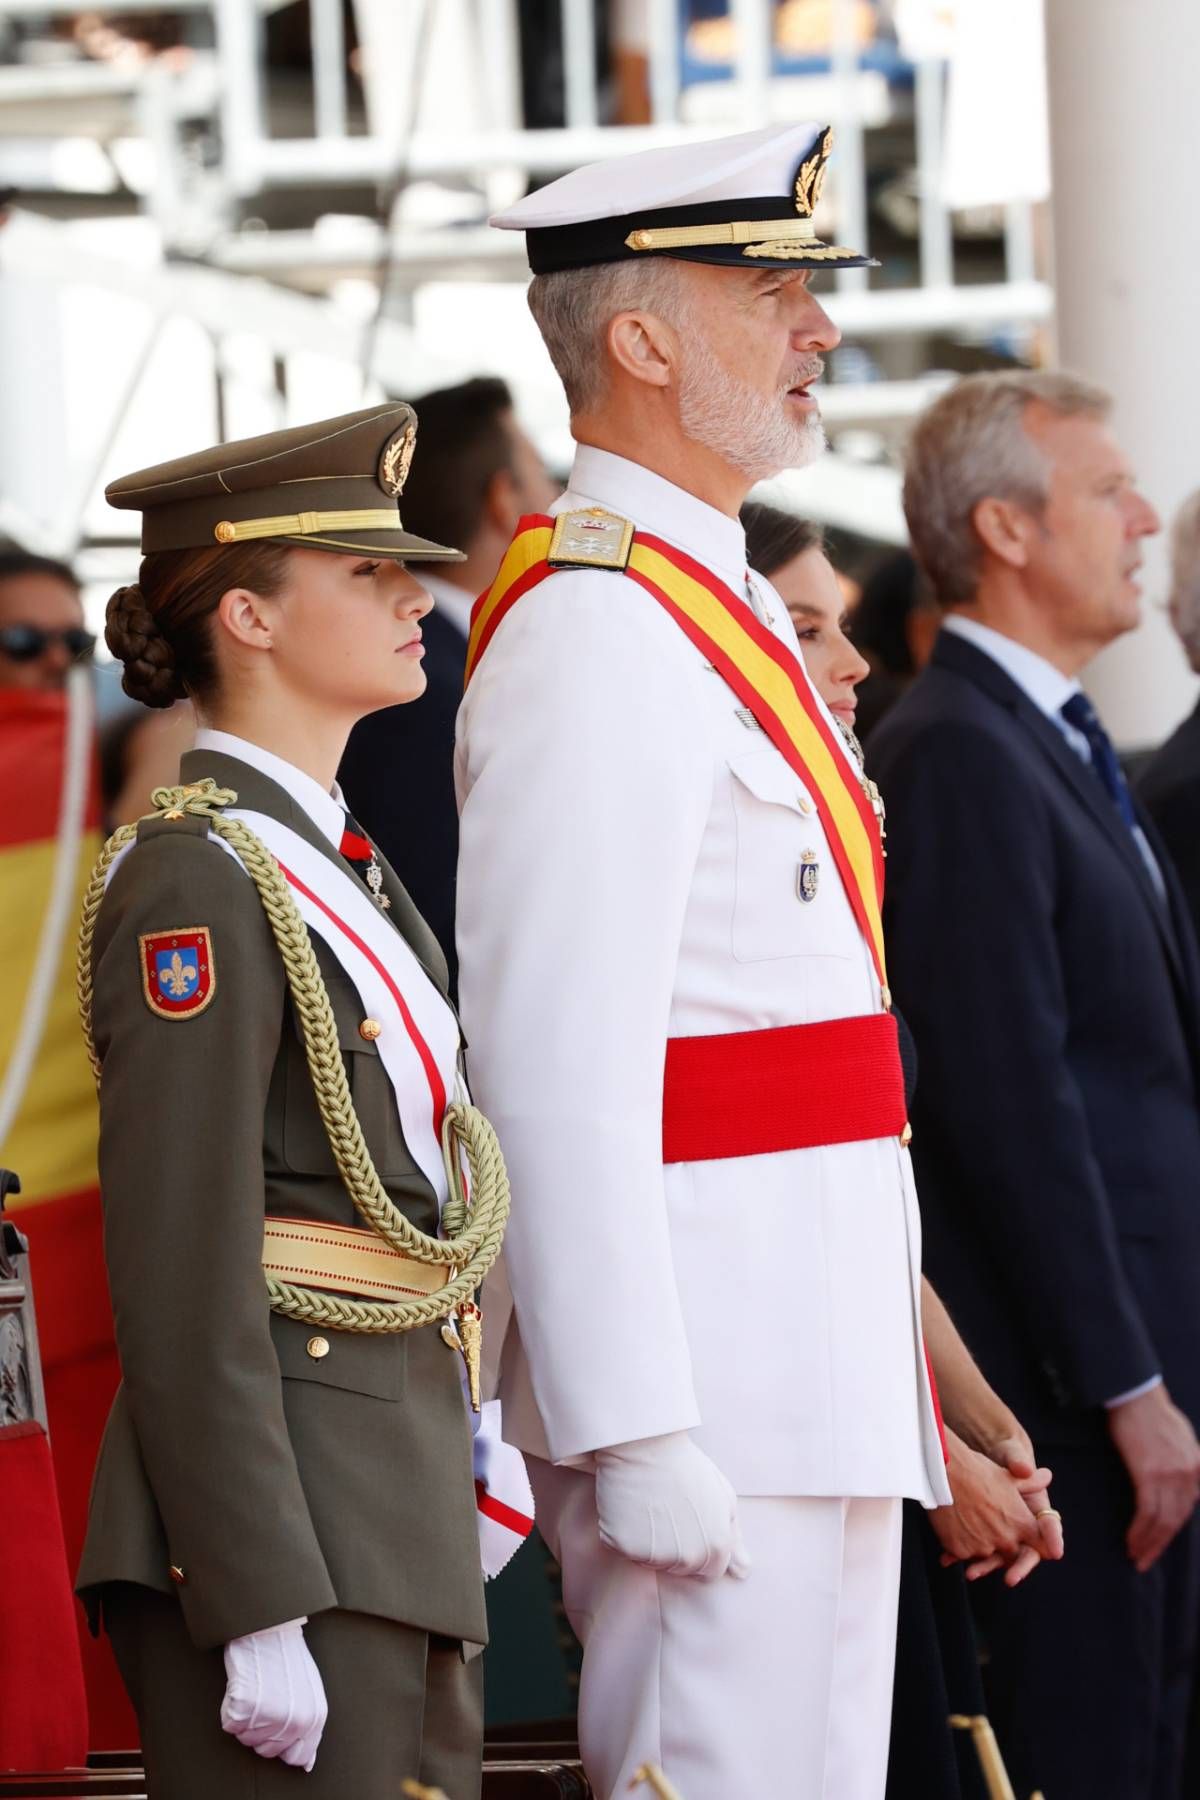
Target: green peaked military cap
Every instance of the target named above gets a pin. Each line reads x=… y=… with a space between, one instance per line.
x=333 y=485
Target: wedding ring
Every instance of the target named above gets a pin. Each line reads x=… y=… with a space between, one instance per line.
x=1048 y=1512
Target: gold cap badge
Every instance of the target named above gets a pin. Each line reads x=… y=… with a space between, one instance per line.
x=396 y=460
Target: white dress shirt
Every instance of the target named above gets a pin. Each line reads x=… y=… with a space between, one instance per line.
x=1049 y=689
x=325 y=807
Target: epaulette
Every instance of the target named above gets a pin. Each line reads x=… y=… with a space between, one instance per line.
x=157 y=825
x=590 y=539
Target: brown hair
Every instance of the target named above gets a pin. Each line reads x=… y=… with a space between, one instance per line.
x=160 y=626
x=466 y=442
x=774 y=536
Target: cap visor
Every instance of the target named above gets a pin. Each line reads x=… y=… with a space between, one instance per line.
x=400 y=546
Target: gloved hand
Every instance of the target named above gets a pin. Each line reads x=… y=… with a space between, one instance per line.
x=662 y=1502
x=274 y=1696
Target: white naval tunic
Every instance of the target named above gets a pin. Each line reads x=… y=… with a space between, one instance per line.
x=630 y=858
x=629 y=872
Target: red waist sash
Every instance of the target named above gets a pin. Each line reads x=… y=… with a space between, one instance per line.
x=750 y=1093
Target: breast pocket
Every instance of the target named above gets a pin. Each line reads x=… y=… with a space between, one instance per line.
x=788 y=898
x=306 y=1147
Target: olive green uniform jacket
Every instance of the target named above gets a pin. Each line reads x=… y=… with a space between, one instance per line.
x=272 y=1483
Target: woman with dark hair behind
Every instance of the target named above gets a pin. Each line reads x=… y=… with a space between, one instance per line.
x=894 y=625
x=991 y=1465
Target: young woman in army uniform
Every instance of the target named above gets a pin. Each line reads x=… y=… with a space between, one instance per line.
x=283 y=1539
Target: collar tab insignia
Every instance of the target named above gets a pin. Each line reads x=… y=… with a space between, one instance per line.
x=590 y=539
x=179 y=975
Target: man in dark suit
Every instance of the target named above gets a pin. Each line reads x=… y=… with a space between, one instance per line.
x=1042 y=953
x=1170 y=783
x=474 y=476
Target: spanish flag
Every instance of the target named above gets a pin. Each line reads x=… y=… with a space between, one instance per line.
x=52 y=1140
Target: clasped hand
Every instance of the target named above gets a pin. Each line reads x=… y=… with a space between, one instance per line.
x=994 y=1522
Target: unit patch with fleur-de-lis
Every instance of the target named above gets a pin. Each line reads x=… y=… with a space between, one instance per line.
x=179 y=976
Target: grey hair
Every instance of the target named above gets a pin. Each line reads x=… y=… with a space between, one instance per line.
x=971 y=445
x=1185 y=577
x=574 y=307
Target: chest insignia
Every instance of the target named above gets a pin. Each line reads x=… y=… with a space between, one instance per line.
x=179 y=975
x=592 y=539
x=808 y=876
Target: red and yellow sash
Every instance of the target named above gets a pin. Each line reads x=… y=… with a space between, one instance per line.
x=763 y=673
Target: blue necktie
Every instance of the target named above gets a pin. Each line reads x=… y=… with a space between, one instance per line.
x=1079 y=712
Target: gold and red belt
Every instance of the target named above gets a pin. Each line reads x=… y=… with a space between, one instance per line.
x=750 y=1093
x=342 y=1259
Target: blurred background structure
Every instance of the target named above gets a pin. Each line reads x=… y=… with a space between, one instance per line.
x=230 y=213
x=222 y=216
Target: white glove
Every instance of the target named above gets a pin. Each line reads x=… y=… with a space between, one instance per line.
x=274 y=1697
x=662 y=1502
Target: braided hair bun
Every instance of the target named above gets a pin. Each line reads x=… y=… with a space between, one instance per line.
x=133 y=635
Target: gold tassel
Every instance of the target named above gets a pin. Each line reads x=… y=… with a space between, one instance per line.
x=470 y=1333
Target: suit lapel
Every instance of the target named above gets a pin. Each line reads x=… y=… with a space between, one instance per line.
x=966 y=659
x=258 y=793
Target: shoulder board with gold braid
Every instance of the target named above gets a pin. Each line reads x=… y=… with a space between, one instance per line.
x=763 y=672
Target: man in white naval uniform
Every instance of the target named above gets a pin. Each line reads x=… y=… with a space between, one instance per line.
x=714 y=1358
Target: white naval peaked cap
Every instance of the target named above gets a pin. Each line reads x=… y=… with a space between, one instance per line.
x=743 y=202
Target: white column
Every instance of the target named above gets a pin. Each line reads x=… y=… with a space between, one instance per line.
x=1124 y=81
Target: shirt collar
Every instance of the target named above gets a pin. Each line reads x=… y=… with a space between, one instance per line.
x=326 y=810
x=454 y=603
x=1039 y=680
x=600 y=478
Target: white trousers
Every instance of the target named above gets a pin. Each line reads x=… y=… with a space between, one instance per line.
x=778 y=1685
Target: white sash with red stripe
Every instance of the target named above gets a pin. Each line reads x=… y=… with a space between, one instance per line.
x=419 y=1042
x=419 y=1047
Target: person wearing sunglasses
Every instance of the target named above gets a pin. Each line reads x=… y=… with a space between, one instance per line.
x=41 y=622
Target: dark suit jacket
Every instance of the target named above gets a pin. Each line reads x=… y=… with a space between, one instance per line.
x=1054 y=1000
x=398 y=779
x=1169 y=786
x=280 y=1484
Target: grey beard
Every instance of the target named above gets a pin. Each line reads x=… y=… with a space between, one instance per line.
x=740 y=425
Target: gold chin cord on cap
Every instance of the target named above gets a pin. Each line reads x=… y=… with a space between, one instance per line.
x=734 y=231
x=308 y=524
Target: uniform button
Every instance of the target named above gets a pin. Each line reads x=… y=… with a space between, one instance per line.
x=370 y=1029
x=317 y=1347
x=885 y=997
x=177 y=1575
x=806 y=805
x=906 y=1137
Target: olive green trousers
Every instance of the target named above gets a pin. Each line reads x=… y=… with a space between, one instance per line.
x=401 y=1703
